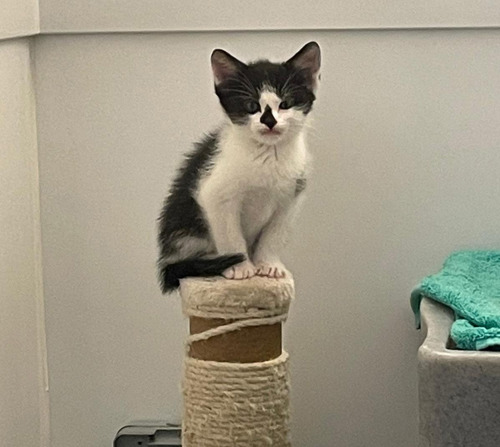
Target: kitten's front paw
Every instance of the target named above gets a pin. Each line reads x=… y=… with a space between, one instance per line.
x=272 y=269
x=243 y=270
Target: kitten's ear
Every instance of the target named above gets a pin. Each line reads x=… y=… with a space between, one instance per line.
x=308 y=60
x=224 y=65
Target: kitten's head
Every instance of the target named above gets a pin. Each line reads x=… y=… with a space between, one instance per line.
x=270 y=100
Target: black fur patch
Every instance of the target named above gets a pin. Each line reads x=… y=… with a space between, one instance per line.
x=300 y=185
x=172 y=273
x=288 y=82
x=181 y=214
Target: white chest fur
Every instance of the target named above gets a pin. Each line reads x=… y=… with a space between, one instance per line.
x=257 y=180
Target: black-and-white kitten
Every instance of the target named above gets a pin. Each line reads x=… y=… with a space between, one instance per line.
x=231 y=204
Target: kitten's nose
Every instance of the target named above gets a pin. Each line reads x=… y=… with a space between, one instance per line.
x=267 y=118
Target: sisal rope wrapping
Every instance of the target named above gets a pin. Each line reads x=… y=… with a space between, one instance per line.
x=236 y=404
x=232 y=300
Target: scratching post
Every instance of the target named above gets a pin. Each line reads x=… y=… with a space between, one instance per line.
x=236 y=386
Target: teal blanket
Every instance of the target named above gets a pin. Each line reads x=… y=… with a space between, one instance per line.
x=469 y=283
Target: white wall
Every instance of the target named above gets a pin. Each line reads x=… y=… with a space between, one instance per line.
x=406 y=149
x=159 y=15
x=23 y=398
x=19 y=18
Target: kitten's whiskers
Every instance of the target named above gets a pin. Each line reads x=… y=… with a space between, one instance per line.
x=247 y=82
x=262 y=153
x=266 y=159
x=289 y=79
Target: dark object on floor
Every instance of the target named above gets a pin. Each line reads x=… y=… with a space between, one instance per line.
x=148 y=436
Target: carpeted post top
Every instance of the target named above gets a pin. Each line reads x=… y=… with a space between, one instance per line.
x=236 y=299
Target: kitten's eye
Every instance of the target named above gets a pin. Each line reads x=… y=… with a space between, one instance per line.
x=252 y=107
x=286 y=104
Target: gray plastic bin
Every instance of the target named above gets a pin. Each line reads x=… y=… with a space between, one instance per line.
x=459 y=391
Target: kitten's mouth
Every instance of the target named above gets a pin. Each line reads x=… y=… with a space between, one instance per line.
x=273 y=132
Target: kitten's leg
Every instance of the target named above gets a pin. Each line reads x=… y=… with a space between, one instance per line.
x=223 y=218
x=272 y=240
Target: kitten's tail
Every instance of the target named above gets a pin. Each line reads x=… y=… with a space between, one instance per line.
x=170 y=274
